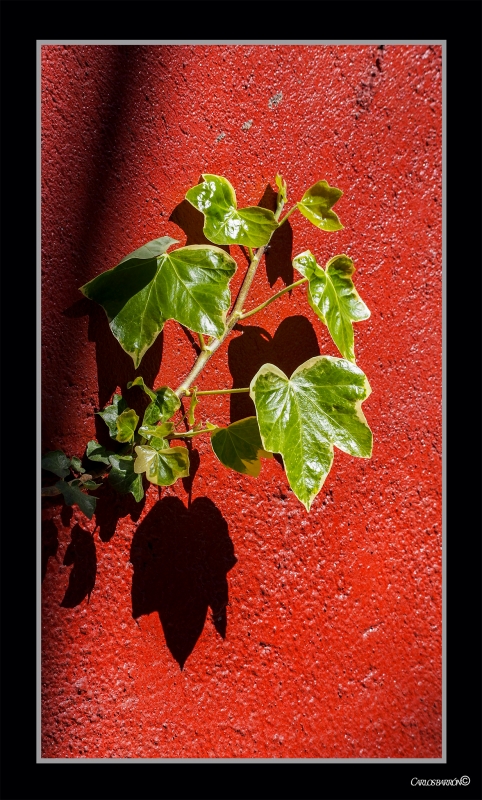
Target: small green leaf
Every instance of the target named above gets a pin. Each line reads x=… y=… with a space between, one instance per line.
x=162 y=467
x=157 y=431
x=333 y=297
x=140 y=382
x=192 y=407
x=57 y=462
x=316 y=205
x=122 y=477
x=304 y=416
x=223 y=223
x=189 y=285
x=281 y=184
x=92 y=485
x=239 y=446
x=126 y=424
x=96 y=452
x=165 y=406
x=73 y=496
x=111 y=413
x=77 y=464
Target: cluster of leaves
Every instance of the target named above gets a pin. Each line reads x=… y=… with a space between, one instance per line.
x=301 y=417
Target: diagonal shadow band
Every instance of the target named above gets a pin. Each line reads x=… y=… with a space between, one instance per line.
x=181 y=557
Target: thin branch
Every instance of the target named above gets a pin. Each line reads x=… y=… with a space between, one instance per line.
x=270 y=299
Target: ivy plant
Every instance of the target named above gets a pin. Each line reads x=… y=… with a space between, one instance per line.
x=301 y=417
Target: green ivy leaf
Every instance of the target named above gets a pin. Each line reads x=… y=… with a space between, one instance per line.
x=92 y=485
x=77 y=464
x=96 y=452
x=333 y=297
x=144 y=290
x=57 y=462
x=239 y=446
x=122 y=477
x=111 y=413
x=126 y=424
x=316 y=205
x=281 y=184
x=304 y=416
x=192 y=408
x=156 y=431
x=164 y=404
x=140 y=382
x=73 y=496
x=223 y=223
x=162 y=467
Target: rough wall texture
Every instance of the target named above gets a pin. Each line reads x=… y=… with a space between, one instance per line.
x=330 y=643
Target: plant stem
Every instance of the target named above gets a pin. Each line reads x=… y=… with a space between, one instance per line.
x=288 y=214
x=274 y=297
x=233 y=318
x=217 y=391
x=188 y=434
x=202 y=342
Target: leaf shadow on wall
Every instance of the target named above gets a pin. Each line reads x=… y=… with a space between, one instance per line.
x=181 y=557
x=294 y=343
x=81 y=554
x=114 y=366
x=278 y=254
x=112 y=506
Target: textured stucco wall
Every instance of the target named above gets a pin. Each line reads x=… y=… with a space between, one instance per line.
x=330 y=645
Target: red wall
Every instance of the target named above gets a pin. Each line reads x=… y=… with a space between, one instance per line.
x=330 y=645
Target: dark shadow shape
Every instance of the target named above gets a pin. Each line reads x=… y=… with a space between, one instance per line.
x=114 y=366
x=191 y=221
x=181 y=558
x=66 y=514
x=112 y=506
x=194 y=462
x=81 y=553
x=280 y=249
x=293 y=343
x=50 y=544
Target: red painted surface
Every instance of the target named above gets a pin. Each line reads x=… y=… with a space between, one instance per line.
x=332 y=630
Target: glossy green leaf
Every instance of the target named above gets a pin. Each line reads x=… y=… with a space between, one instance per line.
x=77 y=464
x=112 y=412
x=281 y=184
x=122 y=477
x=304 y=416
x=192 y=408
x=126 y=424
x=162 y=467
x=57 y=462
x=239 y=446
x=91 y=485
x=164 y=404
x=140 y=382
x=96 y=452
x=157 y=431
x=316 y=205
x=74 y=496
x=189 y=285
x=223 y=222
x=333 y=297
